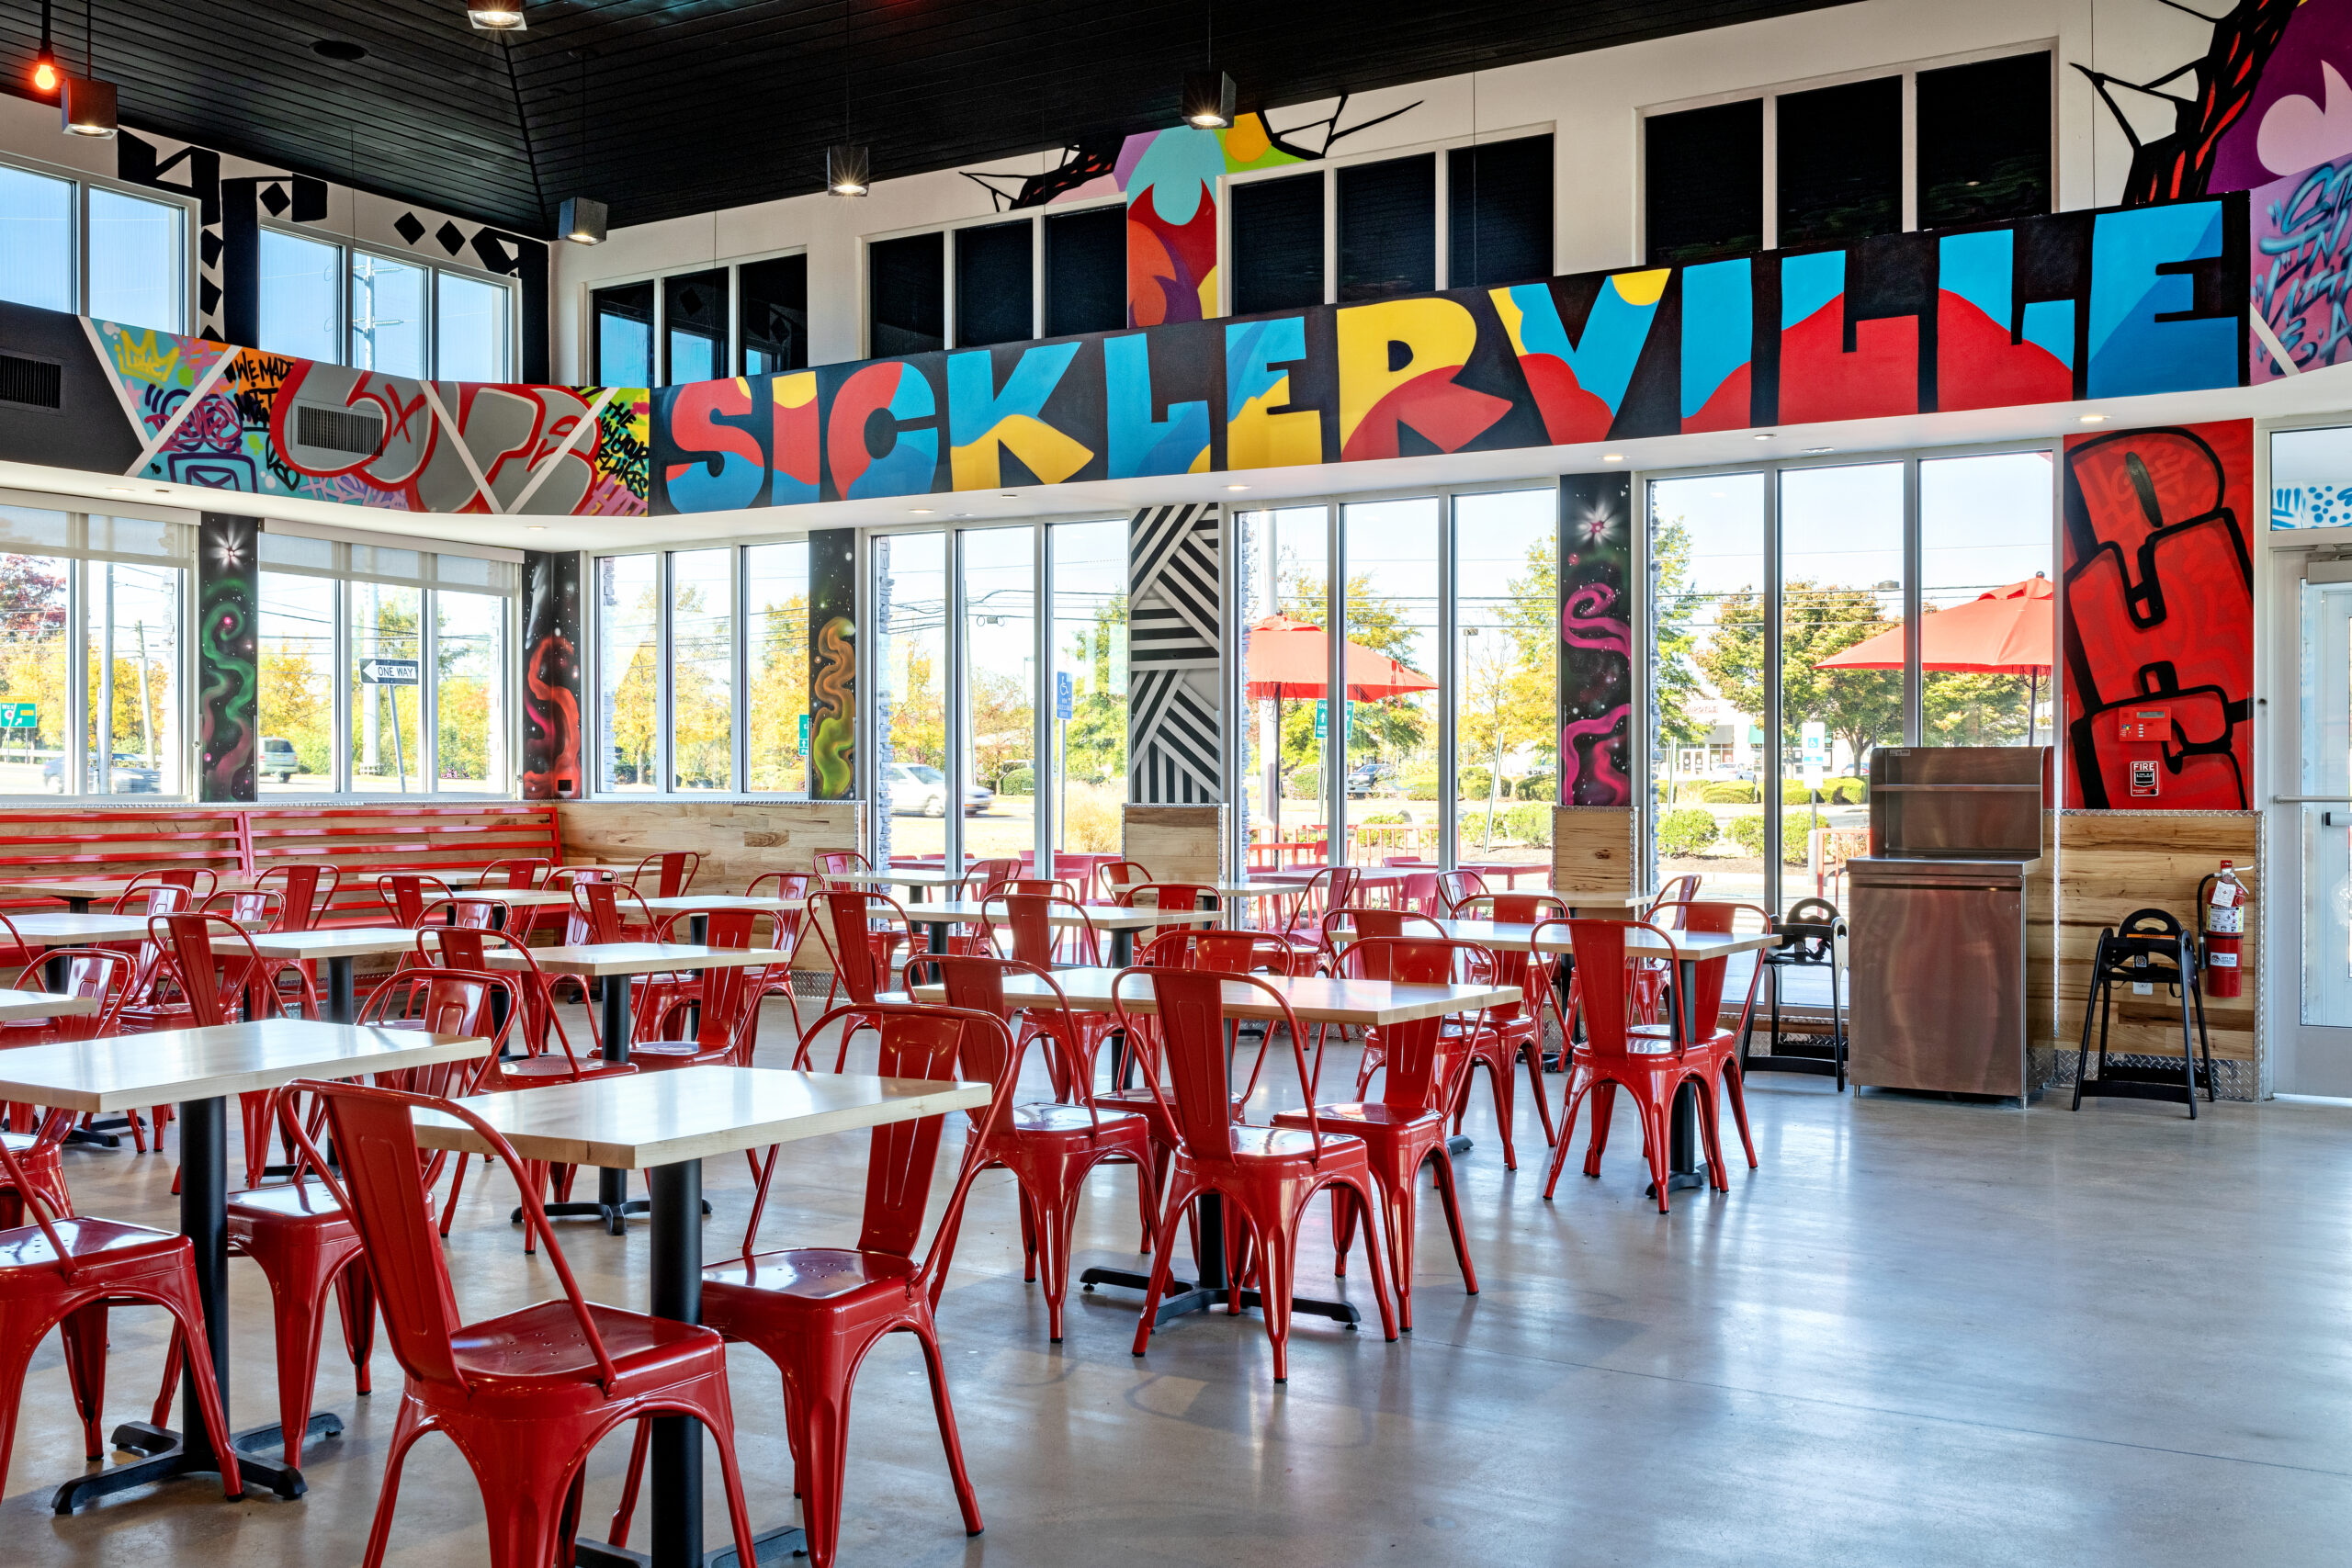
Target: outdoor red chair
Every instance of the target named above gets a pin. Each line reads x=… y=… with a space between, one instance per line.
x=524 y=1395
x=1050 y=1147
x=1404 y=1128
x=1266 y=1174
x=1649 y=1062
x=815 y=1311
x=63 y=1273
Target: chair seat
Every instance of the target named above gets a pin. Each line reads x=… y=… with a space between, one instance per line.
x=1288 y=1143
x=1141 y=1099
x=1367 y=1117
x=541 y=1345
x=832 y=1276
x=1047 y=1118
x=657 y=1054
x=555 y=1067
x=310 y=1201
x=26 y=1248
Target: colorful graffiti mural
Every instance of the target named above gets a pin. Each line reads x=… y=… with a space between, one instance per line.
x=228 y=655
x=2158 y=584
x=553 y=679
x=832 y=663
x=1595 y=639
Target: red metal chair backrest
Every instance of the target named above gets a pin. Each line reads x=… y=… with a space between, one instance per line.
x=721 y=928
x=442 y=1000
x=1114 y=874
x=1193 y=1052
x=982 y=878
x=266 y=909
x=1333 y=887
x=1368 y=921
x=105 y=972
x=36 y=1203
x=179 y=876
x=408 y=895
x=789 y=886
x=1453 y=886
x=298 y=886
x=521 y=874
x=674 y=871
x=835 y=862
x=213 y=982
x=846 y=931
x=1718 y=918
x=1419 y=1071
x=168 y=898
x=1601 y=956
x=599 y=904
x=1040 y=886
x=1029 y=918
x=1526 y=908
x=1681 y=890
x=1165 y=896
x=379 y=1163
x=974 y=982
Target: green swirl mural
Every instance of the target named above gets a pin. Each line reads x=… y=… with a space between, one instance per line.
x=832 y=664
x=228 y=682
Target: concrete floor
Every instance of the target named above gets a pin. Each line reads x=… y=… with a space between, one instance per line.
x=1921 y=1332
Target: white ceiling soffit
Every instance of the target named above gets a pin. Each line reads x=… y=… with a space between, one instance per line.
x=2295 y=397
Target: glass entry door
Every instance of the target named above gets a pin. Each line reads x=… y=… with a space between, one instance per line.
x=2319 y=1060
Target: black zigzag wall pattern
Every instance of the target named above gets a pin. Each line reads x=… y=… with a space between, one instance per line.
x=1175 y=716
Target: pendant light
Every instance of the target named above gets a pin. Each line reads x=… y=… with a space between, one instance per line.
x=88 y=104
x=1209 y=94
x=580 y=219
x=46 y=75
x=849 y=165
x=497 y=15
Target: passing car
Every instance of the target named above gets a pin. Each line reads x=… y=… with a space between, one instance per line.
x=917 y=789
x=278 y=761
x=130 y=776
x=1366 y=777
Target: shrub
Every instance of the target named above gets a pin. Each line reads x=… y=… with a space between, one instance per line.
x=1419 y=783
x=1684 y=832
x=1748 y=832
x=1730 y=792
x=1540 y=787
x=1380 y=818
x=1848 y=791
x=1794 y=792
x=1528 y=824
x=1473 y=782
x=1017 y=781
x=1093 y=822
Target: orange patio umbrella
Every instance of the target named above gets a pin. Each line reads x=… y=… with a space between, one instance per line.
x=2010 y=630
x=1292 y=659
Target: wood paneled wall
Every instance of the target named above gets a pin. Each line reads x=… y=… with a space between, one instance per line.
x=2112 y=862
x=738 y=840
x=1593 y=850
x=1180 y=843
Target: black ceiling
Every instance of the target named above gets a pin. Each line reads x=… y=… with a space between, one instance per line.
x=699 y=103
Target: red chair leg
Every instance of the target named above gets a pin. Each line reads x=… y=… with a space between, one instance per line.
x=1604 y=1110
x=1443 y=1160
x=1504 y=1088
x=355 y=1294
x=407 y=1428
x=928 y=1336
x=1736 y=1088
x=1653 y=1145
x=1580 y=1085
x=83 y=1336
x=1171 y=1214
x=1400 y=1204
x=1532 y=1053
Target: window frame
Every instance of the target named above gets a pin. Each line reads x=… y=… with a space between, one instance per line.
x=1908 y=71
x=82 y=182
x=343 y=689
x=1770 y=468
x=1034 y=217
x=664 y=749
x=660 y=358
x=1440 y=199
x=345 y=248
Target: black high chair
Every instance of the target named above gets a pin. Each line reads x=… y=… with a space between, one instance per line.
x=2150 y=948
x=1812 y=937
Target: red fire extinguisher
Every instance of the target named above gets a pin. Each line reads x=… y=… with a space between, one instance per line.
x=2224 y=901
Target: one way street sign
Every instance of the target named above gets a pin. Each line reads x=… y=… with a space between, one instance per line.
x=389 y=673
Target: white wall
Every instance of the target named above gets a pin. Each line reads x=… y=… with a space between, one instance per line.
x=1592 y=102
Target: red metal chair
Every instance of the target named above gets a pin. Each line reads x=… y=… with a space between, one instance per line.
x=1266 y=1174
x=815 y=1311
x=673 y=873
x=410 y=896
x=791 y=930
x=1404 y=1128
x=1115 y=876
x=152 y=1003
x=1049 y=1148
x=1165 y=896
x=1649 y=1062
x=1029 y=917
x=1513 y=1034
x=838 y=862
x=524 y=1395
x=517 y=873
x=860 y=946
x=307 y=886
x=1453 y=887
x=725 y=1003
x=198 y=882
x=222 y=986
x=63 y=1273
x=103 y=973
x=1333 y=887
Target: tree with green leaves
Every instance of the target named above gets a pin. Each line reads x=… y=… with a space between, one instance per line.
x=1862 y=707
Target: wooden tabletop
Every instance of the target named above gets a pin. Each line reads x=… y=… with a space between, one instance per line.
x=336 y=941
x=1316 y=998
x=723 y=901
x=899 y=877
x=1371 y=875
x=1512 y=937
x=108 y=888
x=523 y=897
x=650 y=1119
x=636 y=958
x=1103 y=917
x=43 y=1004
x=134 y=1070
x=59 y=929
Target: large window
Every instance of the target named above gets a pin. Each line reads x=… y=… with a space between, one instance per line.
x=996 y=284
x=384 y=669
x=1002 y=736
x=1714 y=184
x=1775 y=673
x=746 y=319
x=906 y=295
x=1398 y=743
x=135 y=248
x=323 y=300
x=702 y=670
x=91 y=692
x=989 y=271
x=1499 y=207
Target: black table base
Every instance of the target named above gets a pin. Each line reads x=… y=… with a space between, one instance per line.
x=1212 y=1288
x=204 y=1189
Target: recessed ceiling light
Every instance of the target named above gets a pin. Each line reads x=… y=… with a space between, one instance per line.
x=339 y=48
x=1764 y=436
x=2093 y=418
x=118 y=490
x=920 y=511
x=1010 y=494
x=1817 y=450
x=1237 y=487
x=534 y=528
x=1613 y=457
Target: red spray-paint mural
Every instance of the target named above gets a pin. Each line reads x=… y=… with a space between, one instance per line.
x=2159 y=618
